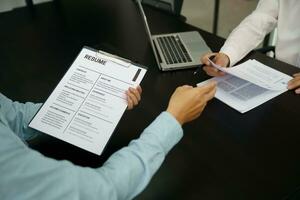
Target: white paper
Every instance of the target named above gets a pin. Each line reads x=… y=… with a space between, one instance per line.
x=259 y=74
x=248 y=85
x=89 y=101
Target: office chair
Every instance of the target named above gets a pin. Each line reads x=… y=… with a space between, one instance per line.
x=29 y=3
x=170 y=6
x=269 y=44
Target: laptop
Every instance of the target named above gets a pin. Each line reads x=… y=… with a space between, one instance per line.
x=175 y=50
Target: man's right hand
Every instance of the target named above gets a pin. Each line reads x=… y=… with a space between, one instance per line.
x=187 y=102
x=220 y=59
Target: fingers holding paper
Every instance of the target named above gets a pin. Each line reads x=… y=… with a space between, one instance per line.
x=220 y=59
x=187 y=102
x=294 y=84
x=133 y=97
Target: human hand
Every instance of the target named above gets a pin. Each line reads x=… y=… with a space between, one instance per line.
x=295 y=83
x=220 y=59
x=133 y=96
x=187 y=102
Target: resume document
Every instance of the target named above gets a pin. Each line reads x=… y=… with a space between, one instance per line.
x=249 y=85
x=87 y=104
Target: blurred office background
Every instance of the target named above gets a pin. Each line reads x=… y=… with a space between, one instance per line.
x=198 y=12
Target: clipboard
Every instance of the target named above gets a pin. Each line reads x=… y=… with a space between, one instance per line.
x=87 y=104
x=115 y=58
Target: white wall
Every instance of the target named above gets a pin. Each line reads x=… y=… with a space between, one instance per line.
x=6 y=5
x=200 y=13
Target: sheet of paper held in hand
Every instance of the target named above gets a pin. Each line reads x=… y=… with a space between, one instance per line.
x=249 y=85
x=87 y=104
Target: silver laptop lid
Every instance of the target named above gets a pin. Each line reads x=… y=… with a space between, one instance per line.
x=148 y=31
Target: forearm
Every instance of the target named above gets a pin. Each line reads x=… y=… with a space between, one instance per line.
x=17 y=116
x=131 y=168
x=28 y=112
x=27 y=174
x=251 y=31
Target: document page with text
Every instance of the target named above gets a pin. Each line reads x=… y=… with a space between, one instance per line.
x=249 y=85
x=257 y=73
x=87 y=104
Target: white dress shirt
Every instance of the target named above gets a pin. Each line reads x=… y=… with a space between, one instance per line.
x=250 y=33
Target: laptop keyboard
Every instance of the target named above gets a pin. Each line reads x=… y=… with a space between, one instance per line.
x=173 y=49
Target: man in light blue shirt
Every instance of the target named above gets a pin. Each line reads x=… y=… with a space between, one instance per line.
x=27 y=174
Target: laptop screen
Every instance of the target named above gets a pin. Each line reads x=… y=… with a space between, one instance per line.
x=148 y=30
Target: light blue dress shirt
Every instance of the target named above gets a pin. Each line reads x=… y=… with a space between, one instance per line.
x=27 y=174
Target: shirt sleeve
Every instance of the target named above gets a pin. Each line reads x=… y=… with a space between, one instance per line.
x=26 y=174
x=251 y=31
x=17 y=116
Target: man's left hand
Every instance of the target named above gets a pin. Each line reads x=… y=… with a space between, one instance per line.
x=133 y=97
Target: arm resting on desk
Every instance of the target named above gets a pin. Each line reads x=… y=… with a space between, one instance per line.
x=26 y=174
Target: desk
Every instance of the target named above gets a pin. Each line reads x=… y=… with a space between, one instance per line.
x=223 y=155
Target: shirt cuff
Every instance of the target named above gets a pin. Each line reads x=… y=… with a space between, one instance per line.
x=166 y=130
x=231 y=53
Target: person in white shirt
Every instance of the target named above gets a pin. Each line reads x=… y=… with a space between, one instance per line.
x=268 y=15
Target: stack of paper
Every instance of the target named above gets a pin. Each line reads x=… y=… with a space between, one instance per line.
x=249 y=85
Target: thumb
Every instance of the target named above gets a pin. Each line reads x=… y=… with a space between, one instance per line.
x=205 y=58
x=211 y=85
